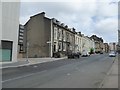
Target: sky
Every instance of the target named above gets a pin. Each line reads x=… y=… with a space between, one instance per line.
x=99 y=17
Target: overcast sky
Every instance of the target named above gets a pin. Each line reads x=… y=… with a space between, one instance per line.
x=89 y=17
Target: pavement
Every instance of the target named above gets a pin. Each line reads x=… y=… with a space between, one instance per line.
x=111 y=79
x=24 y=62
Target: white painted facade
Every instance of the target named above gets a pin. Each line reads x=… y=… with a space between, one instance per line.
x=78 y=43
x=87 y=44
x=0 y=22
x=84 y=43
x=10 y=25
x=92 y=44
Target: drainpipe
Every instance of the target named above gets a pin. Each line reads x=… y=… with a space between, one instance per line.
x=51 y=52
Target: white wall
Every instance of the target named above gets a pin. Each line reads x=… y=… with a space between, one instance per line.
x=0 y=42
x=0 y=22
x=84 y=43
x=10 y=24
x=88 y=44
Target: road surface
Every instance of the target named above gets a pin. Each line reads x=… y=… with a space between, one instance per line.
x=86 y=72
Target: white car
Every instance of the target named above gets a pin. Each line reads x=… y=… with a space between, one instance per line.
x=112 y=54
x=85 y=54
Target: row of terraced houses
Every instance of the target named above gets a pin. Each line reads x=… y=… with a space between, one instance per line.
x=44 y=37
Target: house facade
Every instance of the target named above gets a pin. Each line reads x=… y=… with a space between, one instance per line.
x=106 y=48
x=98 y=43
x=63 y=37
x=78 y=42
x=87 y=44
x=37 y=34
x=113 y=46
x=44 y=37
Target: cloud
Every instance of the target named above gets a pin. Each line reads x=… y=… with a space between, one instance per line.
x=89 y=16
x=107 y=28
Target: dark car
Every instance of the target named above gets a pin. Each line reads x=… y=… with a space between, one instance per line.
x=74 y=55
x=56 y=55
x=101 y=52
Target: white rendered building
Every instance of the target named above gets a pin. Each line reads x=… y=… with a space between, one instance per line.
x=87 y=44
x=9 y=31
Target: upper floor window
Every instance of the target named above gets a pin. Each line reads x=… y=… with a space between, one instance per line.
x=55 y=33
x=67 y=36
x=64 y=35
x=60 y=34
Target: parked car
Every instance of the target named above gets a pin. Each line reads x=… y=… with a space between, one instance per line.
x=73 y=55
x=101 y=52
x=112 y=54
x=85 y=54
x=56 y=55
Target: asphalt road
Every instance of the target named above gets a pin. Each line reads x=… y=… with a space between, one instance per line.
x=86 y=72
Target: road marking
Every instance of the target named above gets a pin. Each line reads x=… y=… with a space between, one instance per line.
x=22 y=76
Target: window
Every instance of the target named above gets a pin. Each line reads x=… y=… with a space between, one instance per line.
x=21 y=26
x=55 y=33
x=21 y=37
x=70 y=38
x=60 y=46
x=20 y=41
x=21 y=48
x=21 y=34
x=64 y=35
x=60 y=34
x=64 y=46
x=21 y=30
x=54 y=48
x=67 y=36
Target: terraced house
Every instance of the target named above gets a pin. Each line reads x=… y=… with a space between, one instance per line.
x=78 y=42
x=87 y=44
x=45 y=37
x=98 y=43
x=64 y=38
